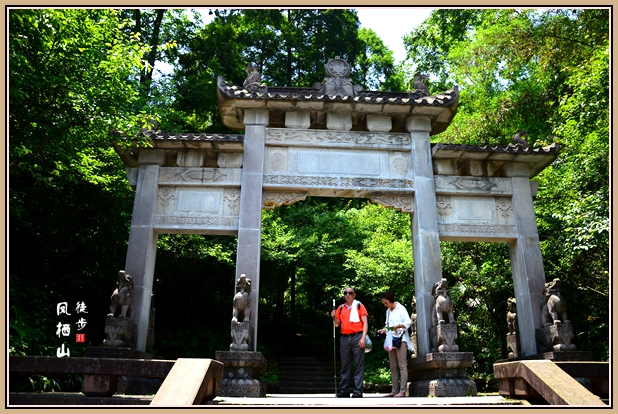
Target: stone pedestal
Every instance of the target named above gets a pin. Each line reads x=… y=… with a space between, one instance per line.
x=120 y=332
x=556 y=337
x=442 y=338
x=441 y=374
x=512 y=345
x=123 y=384
x=241 y=374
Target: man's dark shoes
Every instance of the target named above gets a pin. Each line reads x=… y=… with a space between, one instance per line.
x=357 y=395
x=343 y=394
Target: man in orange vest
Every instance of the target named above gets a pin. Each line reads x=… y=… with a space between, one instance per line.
x=352 y=317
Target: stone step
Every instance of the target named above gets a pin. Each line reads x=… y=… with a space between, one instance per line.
x=307 y=375
x=298 y=380
x=308 y=368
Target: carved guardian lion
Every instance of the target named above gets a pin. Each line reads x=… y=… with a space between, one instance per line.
x=443 y=305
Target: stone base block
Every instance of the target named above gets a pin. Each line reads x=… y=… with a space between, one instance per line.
x=449 y=387
x=117 y=352
x=138 y=385
x=128 y=385
x=567 y=356
x=441 y=374
x=555 y=337
x=241 y=374
x=242 y=388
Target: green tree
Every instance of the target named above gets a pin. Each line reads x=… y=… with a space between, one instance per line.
x=72 y=80
x=546 y=72
x=289 y=46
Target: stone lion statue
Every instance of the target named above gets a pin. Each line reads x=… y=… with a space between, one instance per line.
x=554 y=309
x=511 y=316
x=122 y=298
x=242 y=300
x=413 y=316
x=444 y=305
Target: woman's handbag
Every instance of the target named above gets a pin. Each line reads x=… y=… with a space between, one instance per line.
x=397 y=342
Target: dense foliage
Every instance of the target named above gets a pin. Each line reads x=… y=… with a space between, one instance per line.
x=76 y=75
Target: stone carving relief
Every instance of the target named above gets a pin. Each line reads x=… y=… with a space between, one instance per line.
x=401 y=202
x=475 y=215
x=420 y=84
x=214 y=207
x=444 y=331
x=557 y=332
x=473 y=185
x=242 y=300
x=504 y=207
x=231 y=197
x=399 y=166
x=278 y=161
x=443 y=304
x=413 y=334
x=460 y=228
x=444 y=205
x=335 y=182
x=337 y=82
x=307 y=138
x=119 y=327
x=241 y=315
x=252 y=82
x=192 y=176
x=554 y=310
x=166 y=196
x=212 y=221
x=272 y=199
x=511 y=316
x=512 y=342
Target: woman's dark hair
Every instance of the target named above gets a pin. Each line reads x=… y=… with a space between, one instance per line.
x=388 y=296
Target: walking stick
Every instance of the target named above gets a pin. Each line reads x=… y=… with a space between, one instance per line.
x=334 y=352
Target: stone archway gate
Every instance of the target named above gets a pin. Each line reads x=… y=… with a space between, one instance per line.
x=337 y=140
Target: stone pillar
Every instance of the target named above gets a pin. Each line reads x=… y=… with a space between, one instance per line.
x=142 y=249
x=250 y=220
x=425 y=233
x=526 y=260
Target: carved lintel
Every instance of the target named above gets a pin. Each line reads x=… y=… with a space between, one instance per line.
x=272 y=199
x=401 y=202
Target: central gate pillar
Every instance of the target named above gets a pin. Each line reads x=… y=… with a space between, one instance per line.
x=250 y=217
x=425 y=233
x=526 y=260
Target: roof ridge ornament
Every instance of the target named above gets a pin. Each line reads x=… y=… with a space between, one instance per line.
x=337 y=81
x=420 y=85
x=252 y=83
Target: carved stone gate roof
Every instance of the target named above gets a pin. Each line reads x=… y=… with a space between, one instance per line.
x=335 y=94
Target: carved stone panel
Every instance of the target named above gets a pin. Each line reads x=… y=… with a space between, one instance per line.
x=462 y=217
x=196 y=209
x=333 y=139
x=200 y=176
x=474 y=210
x=401 y=202
x=399 y=164
x=272 y=199
x=472 y=185
x=276 y=160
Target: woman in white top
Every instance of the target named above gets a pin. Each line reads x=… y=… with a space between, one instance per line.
x=397 y=320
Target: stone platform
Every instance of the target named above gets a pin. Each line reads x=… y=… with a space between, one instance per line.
x=60 y=399
x=128 y=385
x=441 y=374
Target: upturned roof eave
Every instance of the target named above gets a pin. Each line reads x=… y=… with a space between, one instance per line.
x=233 y=100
